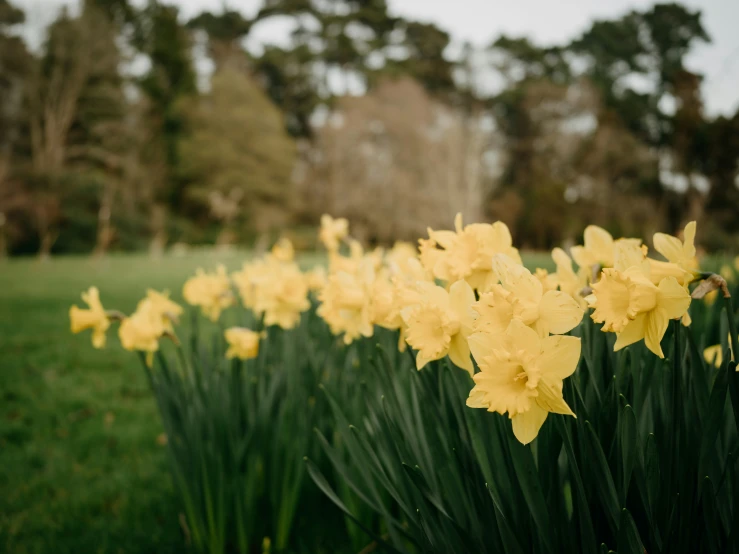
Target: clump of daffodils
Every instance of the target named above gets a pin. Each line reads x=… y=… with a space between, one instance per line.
x=638 y=296
x=274 y=287
x=463 y=294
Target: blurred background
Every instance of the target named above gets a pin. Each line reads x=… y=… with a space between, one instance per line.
x=134 y=125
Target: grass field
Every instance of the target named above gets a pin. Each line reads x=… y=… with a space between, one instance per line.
x=81 y=469
x=82 y=466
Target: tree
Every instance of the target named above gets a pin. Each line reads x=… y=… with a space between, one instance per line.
x=391 y=161
x=169 y=81
x=75 y=107
x=237 y=153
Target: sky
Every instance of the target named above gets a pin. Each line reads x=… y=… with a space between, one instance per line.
x=543 y=21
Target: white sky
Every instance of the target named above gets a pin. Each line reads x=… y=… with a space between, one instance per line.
x=543 y=21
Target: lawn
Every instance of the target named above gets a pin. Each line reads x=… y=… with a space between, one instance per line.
x=83 y=467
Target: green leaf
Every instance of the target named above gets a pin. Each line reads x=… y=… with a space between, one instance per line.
x=602 y=476
x=629 y=541
x=322 y=484
x=627 y=437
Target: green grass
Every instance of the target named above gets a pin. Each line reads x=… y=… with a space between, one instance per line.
x=80 y=466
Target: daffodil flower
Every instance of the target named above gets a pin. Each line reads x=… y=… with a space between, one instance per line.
x=521 y=374
x=597 y=248
x=94 y=317
x=242 y=343
x=520 y=295
x=466 y=253
x=283 y=250
x=440 y=322
x=142 y=330
x=211 y=291
x=681 y=263
x=346 y=301
x=333 y=231
x=633 y=307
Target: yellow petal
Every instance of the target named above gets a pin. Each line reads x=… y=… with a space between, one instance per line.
x=461 y=298
x=633 y=332
x=656 y=325
x=559 y=311
x=580 y=255
x=600 y=244
x=550 y=399
x=559 y=356
x=526 y=425
x=523 y=340
x=486 y=345
x=689 y=238
x=670 y=247
x=421 y=360
x=477 y=398
x=714 y=355
x=459 y=354
x=98 y=338
x=673 y=298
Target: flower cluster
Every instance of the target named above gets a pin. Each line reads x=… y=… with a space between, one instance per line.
x=462 y=294
x=635 y=296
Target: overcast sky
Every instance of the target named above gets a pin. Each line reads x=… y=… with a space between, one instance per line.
x=543 y=21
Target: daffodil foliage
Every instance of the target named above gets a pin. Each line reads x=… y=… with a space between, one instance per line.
x=448 y=399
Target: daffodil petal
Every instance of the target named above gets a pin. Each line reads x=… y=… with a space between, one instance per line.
x=633 y=332
x=559 y=356
x=667 y=245
x=526 y=425
x=459 y=354
x=461 y=298
x=673 y=298
x=560 y=311
x=550 y=399
x=656 y=325
x=486 y=345
x=523 y=339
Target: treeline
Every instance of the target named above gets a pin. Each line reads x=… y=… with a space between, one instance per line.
x=131 y=128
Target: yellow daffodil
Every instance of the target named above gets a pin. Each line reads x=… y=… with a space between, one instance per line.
x=466 y=253
x=94 y=317
x=283 y=250
x=316 y=278
x=439 y=324
x=160 y=303
x=247 y=278
x=715 y=354
x=282 y=296
x=520 y=295
x=681 y=263
x=633 y=307
x=676 y=251
x=568 y=281
x=333 y=231
x=142 y=330
x=597 y=248
x=346 y=301
x=242 y=343
x=521 y=374
x=400 y=256
x=211 y=291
